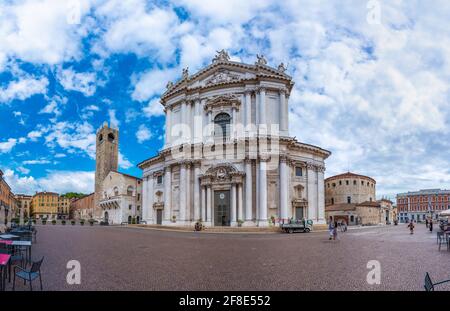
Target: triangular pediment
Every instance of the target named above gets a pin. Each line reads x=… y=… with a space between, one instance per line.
x=224 y=71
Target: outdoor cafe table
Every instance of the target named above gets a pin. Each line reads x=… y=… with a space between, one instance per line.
x=27 y=244
x=8 y=236
x=4 y=260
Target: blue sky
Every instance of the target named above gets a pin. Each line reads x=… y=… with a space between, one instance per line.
x=371 y=81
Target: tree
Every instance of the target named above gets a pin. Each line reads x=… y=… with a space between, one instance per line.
x=71 y=195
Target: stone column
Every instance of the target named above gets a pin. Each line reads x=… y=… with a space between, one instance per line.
x=167 y=193
x=210 y=127
x=312 y=188
x=209 y=205
x=262 y=193
x=151 y=199
x=257 y=191
x=204 y=204
x=197 y=204
x=144 y=199
x=189 y=121
x=183 y=121
x=284 y=184
x=283 y=113
x=188 y=193
x=233 y=205
x=183 y=183
x=248 y=111
x=321 y=196
x=240 y=209
x=197 y=122
x=248 y=192
x=168 y=126
x=233 y=122
x=262 y=110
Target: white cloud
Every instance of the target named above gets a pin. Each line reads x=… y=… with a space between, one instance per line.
x=32 y=162
x=128 y=24
x=73 y=137
x=151 y=83
x=88 y=111
x=23 y=170
x=23 y=89
x=38 y=31
x=113 y=121
x=83 y=82
x=143 y=134
x=55 y=181
x=154 y=109
x=8 y=145
x=60 y=155
x=124 y=162
x=34 y=135
x=22 y=140
x=54 y=106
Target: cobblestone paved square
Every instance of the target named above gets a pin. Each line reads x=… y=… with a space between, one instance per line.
x=121 y=258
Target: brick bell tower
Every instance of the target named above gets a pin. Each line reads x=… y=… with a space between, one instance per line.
x=106 y=160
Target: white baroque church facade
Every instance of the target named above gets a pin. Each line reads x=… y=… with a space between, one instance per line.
x=228 y=159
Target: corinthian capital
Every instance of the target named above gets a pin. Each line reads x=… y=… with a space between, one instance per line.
x=310 y=166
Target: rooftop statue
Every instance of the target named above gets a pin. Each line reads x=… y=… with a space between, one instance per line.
x=261 y=60
x=221 y=56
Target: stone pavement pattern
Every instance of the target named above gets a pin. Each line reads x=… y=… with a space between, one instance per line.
x=120 y=258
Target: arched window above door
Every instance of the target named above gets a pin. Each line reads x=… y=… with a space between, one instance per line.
x=222 y=125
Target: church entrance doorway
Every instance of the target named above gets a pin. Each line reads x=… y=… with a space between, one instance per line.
x=299 y=213
x=222 y=208
x=159 y=216
x=106 y=217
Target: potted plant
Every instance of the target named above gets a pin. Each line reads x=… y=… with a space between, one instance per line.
x=82 y=222
x=63 y=222
x=44 y=221
x=174 y=218
x=34 y=221
x=72 y=222
x=91 y=222
x=133 y=220
x=240 y=222
x=54 y=222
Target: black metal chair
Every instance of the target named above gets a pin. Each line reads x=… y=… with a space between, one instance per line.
x=442 y=239
x=429 y=285
x=29 y=275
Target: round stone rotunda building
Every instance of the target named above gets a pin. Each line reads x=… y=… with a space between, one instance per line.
x=228 y=159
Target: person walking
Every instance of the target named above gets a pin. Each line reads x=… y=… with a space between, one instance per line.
x=411 y=227
x=330 y=228
x=431 y=225
x=335 y=231
x=426 y=222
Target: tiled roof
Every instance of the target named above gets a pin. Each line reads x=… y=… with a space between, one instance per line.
x=349 y=175
x=369 y=203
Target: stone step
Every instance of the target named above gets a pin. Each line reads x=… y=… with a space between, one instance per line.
x=213 y=229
